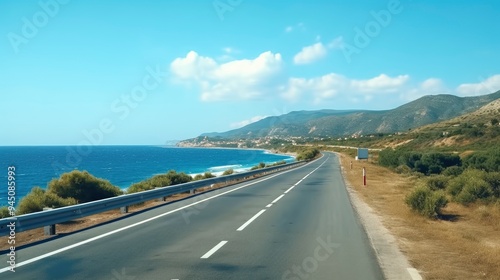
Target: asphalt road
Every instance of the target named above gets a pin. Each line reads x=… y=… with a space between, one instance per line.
x=293 y=225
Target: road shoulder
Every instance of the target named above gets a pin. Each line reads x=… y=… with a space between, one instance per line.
x=393 y=262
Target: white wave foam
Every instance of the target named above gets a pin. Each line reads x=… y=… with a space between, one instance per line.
x=224 y=167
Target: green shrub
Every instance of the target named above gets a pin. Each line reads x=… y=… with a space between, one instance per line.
x=390 y=158
x=82 y=186
x=403 y=169
x=427 y=163
x=473 y=185
x=493 y=179
x=453 y=171
x=281 y=162
x=437 y=182
x=435 y=163
x=198 y=177
x=456 y=185
x=485 y=160
x=163 y=180
x=308 y=154
x=228 y=172
x=258 y=166
x=474 y=189
x=4 y=212
x=426 y=202
x=208 y=175
x=38 y=198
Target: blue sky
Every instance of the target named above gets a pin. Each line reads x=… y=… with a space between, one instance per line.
x=145 y=72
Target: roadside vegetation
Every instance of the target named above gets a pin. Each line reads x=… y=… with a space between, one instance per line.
x=71 y=188
x=206 y=175
x=4 y=212
x=308 y=154
x=80 y=186
x=444 y=177
x=228 y=172
x=450 y=241
x=263 y=165
x=162 y=180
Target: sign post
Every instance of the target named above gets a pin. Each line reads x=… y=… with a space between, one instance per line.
x=364 y=177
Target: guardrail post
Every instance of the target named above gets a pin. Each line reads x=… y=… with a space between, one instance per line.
x=191 y=191
x=124 y=209
x=163 y=198
x=50 y=229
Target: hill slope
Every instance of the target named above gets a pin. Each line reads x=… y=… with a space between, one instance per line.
x=475 y=130
x=426 y=110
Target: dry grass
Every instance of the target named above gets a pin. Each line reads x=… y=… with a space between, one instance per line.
x=464 y=244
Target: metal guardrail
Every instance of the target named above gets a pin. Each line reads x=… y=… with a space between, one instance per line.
x=68 y=213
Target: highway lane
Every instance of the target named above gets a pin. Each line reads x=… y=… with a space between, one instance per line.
x=309 y=232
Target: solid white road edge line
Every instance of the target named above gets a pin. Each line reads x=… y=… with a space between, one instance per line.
x=251 y=220
x=46 y=255
x=213 y=250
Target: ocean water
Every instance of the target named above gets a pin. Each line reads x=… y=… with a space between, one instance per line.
x=121 y=165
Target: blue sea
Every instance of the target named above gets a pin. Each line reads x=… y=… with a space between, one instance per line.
x=121 y=165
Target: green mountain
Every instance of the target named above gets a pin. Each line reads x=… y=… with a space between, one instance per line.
x=478 y=130
x=425 y=110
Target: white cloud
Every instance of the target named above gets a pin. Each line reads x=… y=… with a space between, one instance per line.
x=429 y=86
x=381 y=83
x=490 y=85
x=326 y=86
x=332 y=85
x=228 y=50
x=233 y=80
x=247 y=122
x=263 y=76
x=310 y=54
x=337 y=43
x=228 y=54
x=193 y=66
x=299 y=26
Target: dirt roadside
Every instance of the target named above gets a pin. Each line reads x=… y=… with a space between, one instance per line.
x=463 y=244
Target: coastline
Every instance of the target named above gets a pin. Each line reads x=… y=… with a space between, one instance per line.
x=241 y=169
x=271 y=151
x=108 y=167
